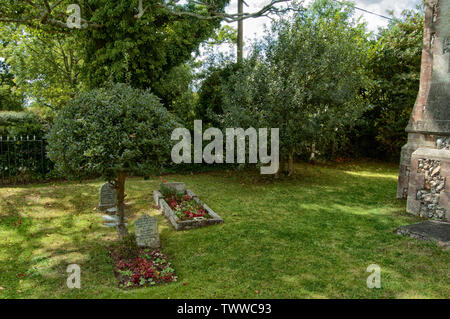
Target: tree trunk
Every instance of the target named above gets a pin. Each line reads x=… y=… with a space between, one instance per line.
x=120 y=195
x=240 y=39
x=291 y=163
x=281 y=168
x=333 y=149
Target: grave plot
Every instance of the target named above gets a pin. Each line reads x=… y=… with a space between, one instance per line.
x=138 y=267
x=138 y=261
x=183 y=208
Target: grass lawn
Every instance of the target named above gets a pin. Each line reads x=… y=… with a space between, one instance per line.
x=310 y=236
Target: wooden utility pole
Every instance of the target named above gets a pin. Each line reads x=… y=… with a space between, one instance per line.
x=240 y=40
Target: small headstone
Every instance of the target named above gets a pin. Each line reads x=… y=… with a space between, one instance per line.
x=107 y=196
x=178 y=187
x=146 y=231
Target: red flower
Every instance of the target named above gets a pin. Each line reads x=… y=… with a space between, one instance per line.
x=172 y=203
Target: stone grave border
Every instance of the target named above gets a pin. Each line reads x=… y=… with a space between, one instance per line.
x=186 y=224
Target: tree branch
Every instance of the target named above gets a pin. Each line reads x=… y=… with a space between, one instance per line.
x=44 y=13
x=227 y=17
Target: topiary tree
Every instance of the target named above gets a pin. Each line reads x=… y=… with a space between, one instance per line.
x=112 y=132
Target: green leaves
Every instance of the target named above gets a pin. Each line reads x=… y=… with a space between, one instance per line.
x=395 y=73
x=46 y=66
x=10 y=97
x=154 y=44
x=305 y=78
x=111 y=130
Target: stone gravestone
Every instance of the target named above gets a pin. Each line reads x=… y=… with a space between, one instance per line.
x=146 y=231
x=107 y=197
x=178 y=187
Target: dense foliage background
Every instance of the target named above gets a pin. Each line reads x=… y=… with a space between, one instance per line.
x=394 y=70
x=332 y=88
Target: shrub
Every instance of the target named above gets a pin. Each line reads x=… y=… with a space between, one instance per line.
x=20 y=124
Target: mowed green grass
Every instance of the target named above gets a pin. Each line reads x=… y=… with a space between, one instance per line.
x=309 y=236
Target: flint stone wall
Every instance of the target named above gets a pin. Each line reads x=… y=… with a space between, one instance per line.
x=429 y=194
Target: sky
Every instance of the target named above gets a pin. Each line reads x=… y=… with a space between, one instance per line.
x=254 y=28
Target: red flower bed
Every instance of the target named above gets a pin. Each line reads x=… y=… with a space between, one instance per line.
x=186 y=207
x=137 y=267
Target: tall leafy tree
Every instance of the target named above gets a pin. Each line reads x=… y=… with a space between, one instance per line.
x=46 y=66
x=114 y=42
x=131 y=41
x=139 y=51
x=305 y=78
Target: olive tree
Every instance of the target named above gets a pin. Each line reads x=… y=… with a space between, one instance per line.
x=112 y=132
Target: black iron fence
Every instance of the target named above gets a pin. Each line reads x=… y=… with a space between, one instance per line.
x=23 y=160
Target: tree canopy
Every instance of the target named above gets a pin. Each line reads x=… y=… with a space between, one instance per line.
x=114 y=46
x=137 y=42
x=110 y=130
x=139 y=51
x=46 y=66
x=306 y=78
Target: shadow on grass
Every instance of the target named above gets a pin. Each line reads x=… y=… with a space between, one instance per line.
x=312 y=235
